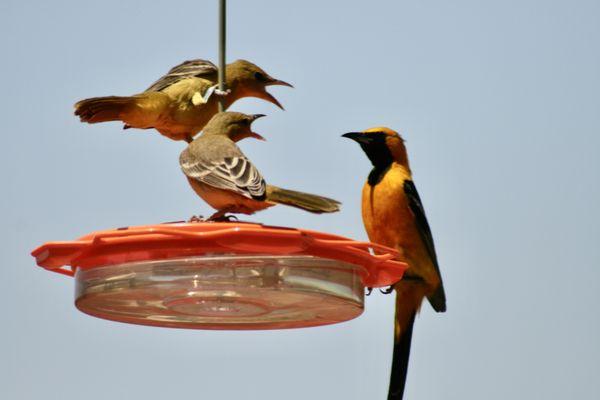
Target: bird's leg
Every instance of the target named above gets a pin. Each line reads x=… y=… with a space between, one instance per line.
x=369 y=290
x=220 y=216
x=387 y=290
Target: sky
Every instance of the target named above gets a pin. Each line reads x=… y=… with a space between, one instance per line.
x=499 y=103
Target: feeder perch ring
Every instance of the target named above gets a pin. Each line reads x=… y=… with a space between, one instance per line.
x=231 y=275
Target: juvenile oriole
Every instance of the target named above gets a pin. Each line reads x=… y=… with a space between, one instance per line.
x=180 y=103
x=221 y=174
x=393 y=215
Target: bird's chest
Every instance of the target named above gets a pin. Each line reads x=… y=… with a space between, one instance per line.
x=386 y=213
x=188 y=114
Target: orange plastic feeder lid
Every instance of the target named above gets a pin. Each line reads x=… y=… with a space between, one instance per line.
x=230 y=275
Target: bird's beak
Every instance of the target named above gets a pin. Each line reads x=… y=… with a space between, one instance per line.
x=254 y=134
x=268 y=97
x=357 y=137
x=277 y=82
x=257 y=136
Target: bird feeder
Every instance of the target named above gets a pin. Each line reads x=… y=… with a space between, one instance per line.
x=221 y=275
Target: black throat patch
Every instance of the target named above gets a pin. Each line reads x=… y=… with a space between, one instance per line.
x=380 y=157
x=377 y=174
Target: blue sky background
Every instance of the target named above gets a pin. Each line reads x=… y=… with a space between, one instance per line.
x=499 y=104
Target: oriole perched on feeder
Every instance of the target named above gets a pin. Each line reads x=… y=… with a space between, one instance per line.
x=393 y=216
x=180 y=103
x=222 y=175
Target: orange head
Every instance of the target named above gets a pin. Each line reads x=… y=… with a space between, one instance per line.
x=382 y=145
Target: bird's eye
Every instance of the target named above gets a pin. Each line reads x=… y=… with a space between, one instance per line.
x=260 y=77
x=246 y=122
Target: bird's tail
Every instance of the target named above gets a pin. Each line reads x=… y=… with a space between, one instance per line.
x=102 y=109
x=309 y=202
x=408 y=301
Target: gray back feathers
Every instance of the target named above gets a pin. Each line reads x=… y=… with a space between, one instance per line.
x=217 y=161
x=187 y=69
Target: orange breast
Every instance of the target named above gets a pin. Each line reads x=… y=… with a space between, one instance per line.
x=389 y=221
x=221 y=199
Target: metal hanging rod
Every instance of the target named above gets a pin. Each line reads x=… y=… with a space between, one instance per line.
x=222 y=39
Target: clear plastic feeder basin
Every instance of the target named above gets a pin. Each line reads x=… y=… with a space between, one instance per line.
x=233 y=292
x=221 y=275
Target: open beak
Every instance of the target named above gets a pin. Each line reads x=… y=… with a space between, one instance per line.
x=257 y=136
x=254 y=134
x=268 y=97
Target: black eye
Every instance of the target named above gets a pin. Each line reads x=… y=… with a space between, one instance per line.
x=260 y=77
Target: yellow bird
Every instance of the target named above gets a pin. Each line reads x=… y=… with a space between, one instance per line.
x=393 y=216
x=182 y=102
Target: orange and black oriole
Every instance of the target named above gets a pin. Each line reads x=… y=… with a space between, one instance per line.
x=393 y=216
x=179 y=104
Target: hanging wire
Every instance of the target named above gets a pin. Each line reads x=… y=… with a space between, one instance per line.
x=222 y=38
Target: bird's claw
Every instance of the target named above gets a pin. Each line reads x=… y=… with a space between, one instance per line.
x=369 y=290
x=196 y=218
x=387 y=290
x=223 y=218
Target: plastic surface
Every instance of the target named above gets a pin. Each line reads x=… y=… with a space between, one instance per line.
x=221 y=275
x=235 y=292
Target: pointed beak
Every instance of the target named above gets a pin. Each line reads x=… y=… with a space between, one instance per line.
x=357 y=137
x=277 y=82
x=254 y=134
x=269 y=97
x=257 y=136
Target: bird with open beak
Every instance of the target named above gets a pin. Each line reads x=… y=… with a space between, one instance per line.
x=225 y=178
x=181 y=103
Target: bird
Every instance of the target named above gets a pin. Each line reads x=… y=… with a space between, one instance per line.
x=393 y=215
x=180 y=103
x=227 y=180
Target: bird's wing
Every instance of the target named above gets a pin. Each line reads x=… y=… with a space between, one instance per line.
x=187 y=69
x=235 y=173
x=438 y=298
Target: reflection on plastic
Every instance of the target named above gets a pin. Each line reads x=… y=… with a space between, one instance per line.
x=224 y=292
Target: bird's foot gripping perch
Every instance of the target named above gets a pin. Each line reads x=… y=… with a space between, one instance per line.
x=196 y=218
x=369 y=290
x=221 y=216
x=387 y=290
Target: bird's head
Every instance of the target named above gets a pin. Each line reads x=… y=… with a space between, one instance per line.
x=236 y=126
x=382 y=145
x=251 y=81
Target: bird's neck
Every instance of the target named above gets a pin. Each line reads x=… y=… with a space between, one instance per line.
x=382 y=159
x=379 y=171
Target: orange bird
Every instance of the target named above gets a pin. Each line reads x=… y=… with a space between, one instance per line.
x=182 y=102
x=393 y=216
